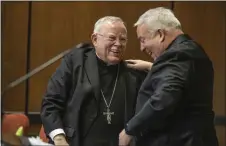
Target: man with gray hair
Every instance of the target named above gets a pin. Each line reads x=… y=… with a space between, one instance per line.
x=92 y=94
x=174 y=103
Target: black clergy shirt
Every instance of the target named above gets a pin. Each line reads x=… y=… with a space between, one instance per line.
x=102 y=133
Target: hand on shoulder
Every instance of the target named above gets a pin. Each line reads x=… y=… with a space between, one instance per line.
x=139 y=64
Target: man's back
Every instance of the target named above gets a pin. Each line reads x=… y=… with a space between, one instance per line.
x=189 y=120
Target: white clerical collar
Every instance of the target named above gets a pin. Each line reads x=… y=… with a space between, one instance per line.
x=107 y=63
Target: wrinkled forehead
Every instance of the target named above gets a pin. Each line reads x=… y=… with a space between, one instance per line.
x=115 y=28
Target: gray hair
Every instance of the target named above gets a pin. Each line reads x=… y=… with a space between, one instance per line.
x=159 y=18
x=104 y=20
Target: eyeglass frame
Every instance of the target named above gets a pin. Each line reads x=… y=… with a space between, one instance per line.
x=113 y=40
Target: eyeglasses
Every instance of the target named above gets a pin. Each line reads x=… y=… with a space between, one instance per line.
x=112 y=38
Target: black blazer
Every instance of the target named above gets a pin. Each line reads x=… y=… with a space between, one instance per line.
x=75 y=81
x=174 y=105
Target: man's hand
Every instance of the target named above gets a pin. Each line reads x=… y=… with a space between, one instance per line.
x=59 y=140
x=139 y=64
x=124 y=139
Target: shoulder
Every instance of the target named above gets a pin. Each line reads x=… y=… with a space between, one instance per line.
x=75 y=56
x=183 y=51
x=80 y=49
x=190 y=49
x=139 y=75
x=78 y=52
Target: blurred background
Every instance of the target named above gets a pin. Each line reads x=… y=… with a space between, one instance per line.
x=33 y=32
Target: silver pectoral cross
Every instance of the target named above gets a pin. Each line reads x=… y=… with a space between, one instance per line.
x=108 y=115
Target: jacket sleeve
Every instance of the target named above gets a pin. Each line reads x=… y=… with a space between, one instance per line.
x=54 y=100
x=171 y=78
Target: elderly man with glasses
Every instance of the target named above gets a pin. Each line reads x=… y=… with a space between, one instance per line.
x=92 y=94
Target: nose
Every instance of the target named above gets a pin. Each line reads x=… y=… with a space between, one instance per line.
x=118 y=42
x=142 y=48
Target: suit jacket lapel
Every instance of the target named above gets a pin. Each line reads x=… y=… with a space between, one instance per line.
x=91 y=68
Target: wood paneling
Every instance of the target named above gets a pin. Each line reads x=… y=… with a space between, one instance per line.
x=14 y=52
x=57 y=26
x=205 y=22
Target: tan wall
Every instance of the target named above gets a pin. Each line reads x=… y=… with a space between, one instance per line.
x=57 y=26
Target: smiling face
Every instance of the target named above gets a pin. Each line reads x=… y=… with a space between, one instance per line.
x=110 y=42
x=150 y=43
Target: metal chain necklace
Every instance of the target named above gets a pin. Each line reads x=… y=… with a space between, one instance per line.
x=108 y=113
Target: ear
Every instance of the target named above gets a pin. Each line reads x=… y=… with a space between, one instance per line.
x=94 y=39
x=161 y=35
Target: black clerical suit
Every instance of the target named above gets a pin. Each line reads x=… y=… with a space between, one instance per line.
x=174 y=106
x=74 y=102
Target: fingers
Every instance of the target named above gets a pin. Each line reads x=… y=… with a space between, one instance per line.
x=131 y=61
x=131 y=65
